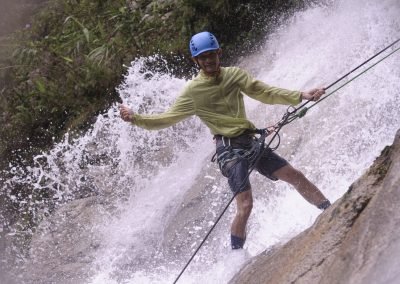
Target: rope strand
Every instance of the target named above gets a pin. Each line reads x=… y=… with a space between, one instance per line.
x=302 y=109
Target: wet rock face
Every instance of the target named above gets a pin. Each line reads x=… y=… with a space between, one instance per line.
x=65 y=244
x=355 y=241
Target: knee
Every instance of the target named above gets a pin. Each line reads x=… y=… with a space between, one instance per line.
x=295 y=177
x=298 y=175
x=245 y=207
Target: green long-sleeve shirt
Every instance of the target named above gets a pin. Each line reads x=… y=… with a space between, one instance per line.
x=218 y=102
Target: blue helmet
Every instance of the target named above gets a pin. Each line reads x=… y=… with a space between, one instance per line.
x=203 y=42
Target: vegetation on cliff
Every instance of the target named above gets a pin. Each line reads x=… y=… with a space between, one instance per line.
x=67 y=64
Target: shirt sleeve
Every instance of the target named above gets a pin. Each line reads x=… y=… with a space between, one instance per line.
x=181 y=109
x=265 y=93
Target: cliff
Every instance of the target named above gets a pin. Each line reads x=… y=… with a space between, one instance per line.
x=354 y=241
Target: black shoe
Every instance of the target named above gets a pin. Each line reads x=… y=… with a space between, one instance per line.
x=324 y=205
x=237 y=242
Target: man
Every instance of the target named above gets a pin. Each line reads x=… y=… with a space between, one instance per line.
x=216 y=97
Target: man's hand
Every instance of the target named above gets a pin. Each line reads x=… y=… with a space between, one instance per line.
x=313 y=95
x=126 y=113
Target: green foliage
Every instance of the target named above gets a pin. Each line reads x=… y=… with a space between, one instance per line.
x=65 y=67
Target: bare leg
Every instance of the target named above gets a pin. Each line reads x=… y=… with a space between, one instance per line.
x=306 y=188
x=244 y=202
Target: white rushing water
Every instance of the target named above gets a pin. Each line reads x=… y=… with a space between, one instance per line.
x=166 y=191
x=333 y=144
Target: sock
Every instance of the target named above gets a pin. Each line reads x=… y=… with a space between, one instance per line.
x=237 y=242
x=324 y=205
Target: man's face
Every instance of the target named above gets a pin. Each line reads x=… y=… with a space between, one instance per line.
x=209 y=61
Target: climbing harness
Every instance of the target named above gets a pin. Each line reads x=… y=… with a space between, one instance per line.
x=261 y=143
x=292 y=113
x=230 y=155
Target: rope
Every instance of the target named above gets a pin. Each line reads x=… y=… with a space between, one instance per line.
x=291 y=114
x=352 y=79
x=264 y=133
x=261 y=141
x=302 y=109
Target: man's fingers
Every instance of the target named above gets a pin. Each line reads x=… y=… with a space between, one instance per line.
x=318 y=94
x=125 y=113
x=123 y=110
x=314 y=94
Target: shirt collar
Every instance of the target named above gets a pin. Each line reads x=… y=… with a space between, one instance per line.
x=202 y=76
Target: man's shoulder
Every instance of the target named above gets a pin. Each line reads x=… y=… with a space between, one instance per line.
x=234 y=73
x=232 y=69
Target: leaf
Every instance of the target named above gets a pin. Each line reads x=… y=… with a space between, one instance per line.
x=67 y=59
x=40 y=86
x=86 y=33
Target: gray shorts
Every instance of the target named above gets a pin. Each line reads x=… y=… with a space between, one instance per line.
x=236 y=168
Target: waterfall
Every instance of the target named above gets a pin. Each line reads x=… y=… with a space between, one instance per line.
x=160 y=193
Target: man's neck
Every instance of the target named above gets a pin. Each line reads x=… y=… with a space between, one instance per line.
x=213 y=74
